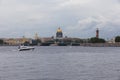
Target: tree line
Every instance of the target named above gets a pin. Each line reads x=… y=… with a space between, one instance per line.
x=69 y=41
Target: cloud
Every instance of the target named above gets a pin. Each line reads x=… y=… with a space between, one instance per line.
x=108 y=26
x=77 y=18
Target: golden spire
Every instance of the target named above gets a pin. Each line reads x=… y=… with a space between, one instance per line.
x=36 y=36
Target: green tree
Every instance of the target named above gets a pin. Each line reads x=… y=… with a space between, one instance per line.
x=1 y=41
x=97 y=40
x=117 y=39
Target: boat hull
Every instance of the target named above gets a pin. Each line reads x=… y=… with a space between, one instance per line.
x=25 y=48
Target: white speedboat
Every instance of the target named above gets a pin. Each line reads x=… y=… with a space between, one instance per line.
x=23 y=48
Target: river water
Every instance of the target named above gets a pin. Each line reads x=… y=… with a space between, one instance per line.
x=60 y=63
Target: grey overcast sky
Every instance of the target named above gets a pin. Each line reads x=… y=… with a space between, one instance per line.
x=77 y=18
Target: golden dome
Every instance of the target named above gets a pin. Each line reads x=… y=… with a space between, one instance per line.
x=59 y=30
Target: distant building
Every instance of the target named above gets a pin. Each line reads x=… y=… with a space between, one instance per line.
x=111 y=41
x=59 y=34
x=36 y=36
x=16 y=41
x=46 y=39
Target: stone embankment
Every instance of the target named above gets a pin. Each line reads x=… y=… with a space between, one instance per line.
x=101 y=44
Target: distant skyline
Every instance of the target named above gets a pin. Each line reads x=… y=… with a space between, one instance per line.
x=77 y=18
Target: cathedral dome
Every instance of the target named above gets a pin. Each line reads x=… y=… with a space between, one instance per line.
x=59 y=33
x=59 y=30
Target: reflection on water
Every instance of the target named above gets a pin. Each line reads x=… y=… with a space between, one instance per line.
x=45 y=79
x=60 y=63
